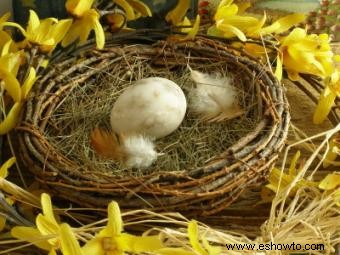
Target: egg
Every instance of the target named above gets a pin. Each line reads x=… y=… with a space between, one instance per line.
x=153 y=107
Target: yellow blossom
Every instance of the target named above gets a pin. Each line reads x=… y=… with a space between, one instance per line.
x=190 y=30
x=11 y=119
x=277 y=177
x=205 y=248
x=49 y=235
x=327 y=97
x=134 y=8
x=177 y=14
x=46 y=33
x=194 y=30
x=3 y=174
x=5 y=166
x=85 y=20
x=140 y=8
x=4 y=19
x=8 y=68
x=202 y=248
x=175 y=251
x=177 y=17
x=332 y=183
x=78 y=8
x=9 y=65
x=308 y=54
x=282 y=24
x=253 y=49
x=116 y=21
x=131 y=10
x=333 y=152
x=5 y=38
x=28 y=83
x=230 y=21
x=113 y=241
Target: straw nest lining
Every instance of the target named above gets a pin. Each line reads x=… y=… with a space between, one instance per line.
x=193 y=144
x=206 y=183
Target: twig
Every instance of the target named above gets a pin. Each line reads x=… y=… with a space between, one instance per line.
x=12 y=214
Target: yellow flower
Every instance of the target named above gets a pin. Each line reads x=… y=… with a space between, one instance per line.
x=111 y=240
x=85 y=20
x=4 y=18
x=11 y=119
x=177 y=14
x=327 y=97
x=5 y=166
x=303 y=53
x=205 y=248
x=46 y=33
x=332 y=183
x=177 y=17
x=134 y=8
x=282 y=24
x=333 y=152
x=277 y=177
x=9 y=65
x=190 y=30
x=3 y=174
x=49 y=235
x=197 y=248
x=78 y=8
x=229 y=23
x=116 y=21
x=253 y=49
x=5 y=38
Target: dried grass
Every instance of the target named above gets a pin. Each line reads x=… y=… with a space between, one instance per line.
x=193 y=144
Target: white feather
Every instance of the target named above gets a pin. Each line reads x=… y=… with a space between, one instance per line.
x=140 y=151
x=213 y=96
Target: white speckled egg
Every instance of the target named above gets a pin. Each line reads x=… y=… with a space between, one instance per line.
x=153 y=106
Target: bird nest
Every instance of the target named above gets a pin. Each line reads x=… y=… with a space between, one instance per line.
x=204 y=166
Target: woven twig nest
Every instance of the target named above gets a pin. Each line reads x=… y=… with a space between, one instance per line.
x=203 y=188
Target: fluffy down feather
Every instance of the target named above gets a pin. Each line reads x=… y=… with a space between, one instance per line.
x=214 y=98
x=135 y=151
x=140 y=151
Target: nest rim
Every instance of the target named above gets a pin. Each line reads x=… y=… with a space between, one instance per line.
x=205 y=190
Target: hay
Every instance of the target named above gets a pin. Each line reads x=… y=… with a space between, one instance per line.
x=251 y=144
x=309 y=217
x=193 y=144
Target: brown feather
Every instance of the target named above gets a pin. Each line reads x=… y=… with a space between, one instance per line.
x=106 y=144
